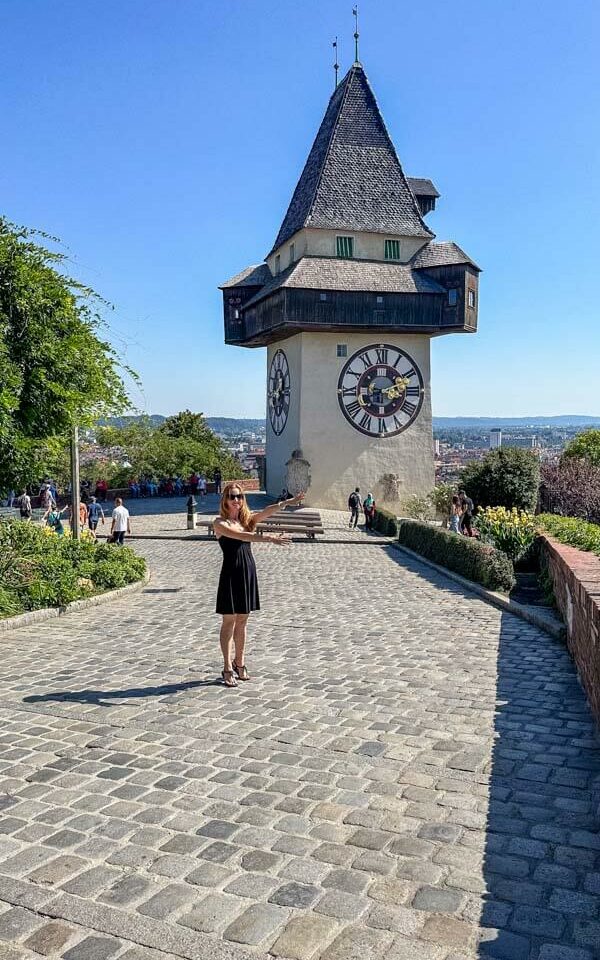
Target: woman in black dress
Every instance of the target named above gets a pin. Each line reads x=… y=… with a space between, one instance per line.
x=237 y=595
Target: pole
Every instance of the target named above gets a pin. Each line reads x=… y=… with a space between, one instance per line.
x=75 y=526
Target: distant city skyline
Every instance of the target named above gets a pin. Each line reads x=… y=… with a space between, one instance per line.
x=162 y=143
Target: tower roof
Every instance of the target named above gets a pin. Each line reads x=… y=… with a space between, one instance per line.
x=353 y=179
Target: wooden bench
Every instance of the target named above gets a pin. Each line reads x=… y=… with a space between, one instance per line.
x=284 y=521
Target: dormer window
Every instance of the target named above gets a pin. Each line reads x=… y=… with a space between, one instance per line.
x=345 y=247
x=392 y=250
x=292 y=252
x=277 y=264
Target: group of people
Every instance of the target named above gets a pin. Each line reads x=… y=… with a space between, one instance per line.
x=356 y=504
x=461 y=514
x=195 y=484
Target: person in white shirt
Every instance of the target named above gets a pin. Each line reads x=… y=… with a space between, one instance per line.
x=121 y=524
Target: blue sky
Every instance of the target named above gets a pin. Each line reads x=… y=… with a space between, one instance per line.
x=162 y=139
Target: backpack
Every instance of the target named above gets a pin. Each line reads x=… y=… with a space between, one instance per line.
x=353 y=501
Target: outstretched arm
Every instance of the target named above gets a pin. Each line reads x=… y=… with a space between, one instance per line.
x=261 y=515
x=223 y=530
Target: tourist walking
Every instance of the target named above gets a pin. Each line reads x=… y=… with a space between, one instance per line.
x=46 y=501
x=218 y=481
x=237 y=594
x=121 y=522
x=25 y=510
x=95 y=513
x=455 y=515
x=467 y=507
x=354 y=505
x=369 y=511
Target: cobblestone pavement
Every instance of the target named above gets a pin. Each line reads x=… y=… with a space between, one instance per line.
x=408 y=775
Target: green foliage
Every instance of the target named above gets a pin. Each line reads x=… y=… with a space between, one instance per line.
x=512 y=531
x=182 y=444
x=509 y=477
x=39 y=569
x=54 y=368
x=585 y=446
x=386 y=522
x=571 y=531
x=441 y=499
x=471 y=559
x=418 y=508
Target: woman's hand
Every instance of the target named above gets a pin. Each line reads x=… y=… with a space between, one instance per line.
x=297 y=499
x=280 y=538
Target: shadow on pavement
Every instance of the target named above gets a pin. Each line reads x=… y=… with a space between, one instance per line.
x=98 y=696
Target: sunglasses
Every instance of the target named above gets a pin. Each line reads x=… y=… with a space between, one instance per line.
x=236 y=496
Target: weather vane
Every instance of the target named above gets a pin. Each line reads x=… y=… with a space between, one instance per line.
x=355 y=13
x=336 y=65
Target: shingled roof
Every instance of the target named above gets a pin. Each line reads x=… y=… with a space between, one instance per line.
x=441 y=255
x=363 y=276
x=352 y=179
x=254 y=276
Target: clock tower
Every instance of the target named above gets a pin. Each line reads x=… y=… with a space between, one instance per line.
x=346 y=302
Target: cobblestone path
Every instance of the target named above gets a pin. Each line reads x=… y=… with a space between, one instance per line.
x=408 y=775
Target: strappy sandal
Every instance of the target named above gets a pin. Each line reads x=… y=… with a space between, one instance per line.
x=242 y=672
x=228 y=678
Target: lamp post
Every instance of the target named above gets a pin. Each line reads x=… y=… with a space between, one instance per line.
x=75 y=525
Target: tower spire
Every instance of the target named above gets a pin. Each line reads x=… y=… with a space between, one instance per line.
x=356 y=34
x=336 y=65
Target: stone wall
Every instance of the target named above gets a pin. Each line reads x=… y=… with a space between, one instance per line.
x=575 y=577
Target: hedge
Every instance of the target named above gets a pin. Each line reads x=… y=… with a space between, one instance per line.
x=386 y=522
x=40 y=569
x=471 y=559
x=571 y=531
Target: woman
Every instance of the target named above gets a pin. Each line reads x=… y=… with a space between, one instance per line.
x=455 y=515
x=53 y=517
x=237 y=595
x=369 y=509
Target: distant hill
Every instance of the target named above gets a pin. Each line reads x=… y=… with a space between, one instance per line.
x=233 y=425
x=566 y=420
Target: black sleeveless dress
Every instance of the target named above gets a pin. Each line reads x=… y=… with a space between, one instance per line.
x=238 y=584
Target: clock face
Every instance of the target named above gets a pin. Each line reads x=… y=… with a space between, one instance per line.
x=278 y=392
x=380 y=390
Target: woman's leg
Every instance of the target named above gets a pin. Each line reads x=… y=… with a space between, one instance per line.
x=239 y=639
x=225 y=638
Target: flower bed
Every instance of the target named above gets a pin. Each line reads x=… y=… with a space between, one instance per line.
x=40 y=569
x=571 y=531
x=476 y=561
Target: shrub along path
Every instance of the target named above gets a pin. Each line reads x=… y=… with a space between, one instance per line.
x=408 y=775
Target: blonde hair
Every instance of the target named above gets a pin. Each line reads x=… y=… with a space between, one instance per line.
x=245 y=516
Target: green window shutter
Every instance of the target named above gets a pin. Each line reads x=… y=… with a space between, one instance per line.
x=345 y=247
x=392 y=249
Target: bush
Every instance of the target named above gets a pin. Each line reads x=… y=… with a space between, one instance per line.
x=571 y=531
x=571 y=488
x=509 y=477
x=512 y=531
x=419 y=508
x=441 y=500
x=386 y=522
x=39 y=569
x=471 y=559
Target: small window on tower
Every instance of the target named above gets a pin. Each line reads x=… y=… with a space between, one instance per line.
x=292 y=252
x=277 y=264
x=379 y=299
x=345 y=247
x=392 y=250
x=342 y=350
x=471 y=300
x=322 y=296
x=452 y=298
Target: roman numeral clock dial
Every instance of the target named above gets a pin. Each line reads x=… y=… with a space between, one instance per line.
x=278 y=392
x=380 y=390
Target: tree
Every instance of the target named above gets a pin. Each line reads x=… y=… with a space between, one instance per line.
x=55 y=370
x=571 y=488
x=509 y=477
x=156 y=452
x=585 y=446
